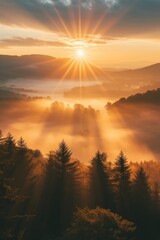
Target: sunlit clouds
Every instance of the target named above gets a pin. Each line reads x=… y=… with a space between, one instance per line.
x=75 y=16
x=57 y=27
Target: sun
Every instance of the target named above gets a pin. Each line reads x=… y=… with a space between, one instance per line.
x=80 y=54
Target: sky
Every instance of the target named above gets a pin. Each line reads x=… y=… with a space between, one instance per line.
x=112 y=33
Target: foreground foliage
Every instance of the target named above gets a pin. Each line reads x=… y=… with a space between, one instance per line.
x=39 y=195
x=99 y=224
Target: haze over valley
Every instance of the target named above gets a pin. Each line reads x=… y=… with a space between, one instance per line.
x=40 y=91
x=79 y=119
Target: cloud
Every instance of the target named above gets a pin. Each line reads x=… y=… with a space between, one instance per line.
x=110 y=17
x=47 y=2
x=7 y=93
x=28 y=42
x=12 y=89
x=65 y=42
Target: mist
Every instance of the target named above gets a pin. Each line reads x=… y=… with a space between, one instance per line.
x=44 y=123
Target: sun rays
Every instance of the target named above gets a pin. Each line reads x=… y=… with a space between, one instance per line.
x=81 y=32
x=80 y=53
x=81 y=37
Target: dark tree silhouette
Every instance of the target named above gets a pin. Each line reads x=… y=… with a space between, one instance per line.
x=22 y=147
x=23 y=159
x=45 y=221
x=142 y=203
x=156 y=196
x=58 y=199
x=122 y=185
x=1 y=147
x=101 y=186
x=38 y=195
x=1 y=135
x=2 y=138
x=141 y=192
x=16 y=184
x=10 y=145
x=8 y=193
x=68 y=178
x=155 y=215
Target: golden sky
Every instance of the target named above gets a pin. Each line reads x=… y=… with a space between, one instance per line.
x=112 y=33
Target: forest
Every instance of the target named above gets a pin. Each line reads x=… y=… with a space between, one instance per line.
x=79 y=120
x=57 y=197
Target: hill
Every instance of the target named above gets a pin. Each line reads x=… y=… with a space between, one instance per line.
x=148 y=98
x=147 y=73
x=46 y=67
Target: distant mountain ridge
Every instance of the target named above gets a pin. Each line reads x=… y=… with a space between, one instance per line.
x=151 y=97
x=151 y=72
x=45 y=67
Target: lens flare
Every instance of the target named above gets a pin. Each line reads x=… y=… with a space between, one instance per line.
x=80 y=53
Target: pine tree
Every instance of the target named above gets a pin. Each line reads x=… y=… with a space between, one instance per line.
x=122 y=181
x=141 y=192
x=2 y=150
x=8 y=197
x=21 y=144
x=25 y=181
x=9 y=150
x=10 y=145
x=1 y=136
x=22 y=163
x=142 y=203
x=68 y=178
x=21 y=153
x=58 y=198
x=155 y=214
x=156 y=196
x=8 y=192
x=101 y=186
x=45 y=221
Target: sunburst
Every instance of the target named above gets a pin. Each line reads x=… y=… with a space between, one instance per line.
x=80 y=54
